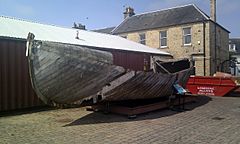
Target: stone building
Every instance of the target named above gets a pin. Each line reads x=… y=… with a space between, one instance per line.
x=234 y=46
x=234 y=52
x=184 y=31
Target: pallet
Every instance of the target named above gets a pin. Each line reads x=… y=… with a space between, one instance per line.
x=132 y=112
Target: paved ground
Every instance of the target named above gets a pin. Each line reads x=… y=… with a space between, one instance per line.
x=211 y=120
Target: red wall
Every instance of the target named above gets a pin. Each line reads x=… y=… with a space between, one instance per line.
x=15 y=87
x=131 y=60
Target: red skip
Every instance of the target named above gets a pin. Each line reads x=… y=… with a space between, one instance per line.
x=211 y=86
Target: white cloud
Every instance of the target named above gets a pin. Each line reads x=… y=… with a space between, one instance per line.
x=226 y=7
x=16 y=7
x=168 y=3
x=24 y=10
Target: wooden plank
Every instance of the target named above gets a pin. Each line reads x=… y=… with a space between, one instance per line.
x=124 y=110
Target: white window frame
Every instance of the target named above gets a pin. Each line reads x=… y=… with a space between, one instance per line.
x=142 y=41
x=185 y=35
x=163 y=38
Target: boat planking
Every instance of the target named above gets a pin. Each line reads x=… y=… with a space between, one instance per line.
x=65 y=73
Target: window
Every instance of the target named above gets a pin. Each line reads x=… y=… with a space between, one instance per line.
x=163 y=39
x=142 y=38
x=187 y=37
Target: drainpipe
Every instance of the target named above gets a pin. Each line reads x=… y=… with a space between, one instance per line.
x=215 y=44
x=204 y=49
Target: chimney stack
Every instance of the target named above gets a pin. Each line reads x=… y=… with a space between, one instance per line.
x=213 y=10
x=79 y=26
x=129 y=12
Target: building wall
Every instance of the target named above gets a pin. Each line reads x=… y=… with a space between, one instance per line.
x=15 y=86
x=219 y=49
x=131 y=60
x=137 y=61
x=224 y=47
x=176 y=47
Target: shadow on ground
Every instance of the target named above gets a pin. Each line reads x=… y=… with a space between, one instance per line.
x=100 y=117
x=26 y=111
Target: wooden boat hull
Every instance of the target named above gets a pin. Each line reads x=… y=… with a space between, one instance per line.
x=63 y=73
x=145 y=85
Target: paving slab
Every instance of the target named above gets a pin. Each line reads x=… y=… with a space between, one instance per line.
x=213 y=120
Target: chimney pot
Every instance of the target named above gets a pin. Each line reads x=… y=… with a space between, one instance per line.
x=79 y=26
x=128 y=12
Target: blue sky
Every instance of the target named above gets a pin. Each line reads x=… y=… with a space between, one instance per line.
x=105 y=13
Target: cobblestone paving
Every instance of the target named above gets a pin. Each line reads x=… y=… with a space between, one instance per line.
x=210 y=120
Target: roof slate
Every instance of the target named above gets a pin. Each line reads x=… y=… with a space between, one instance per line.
x=163 y=18
x=105 y=30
